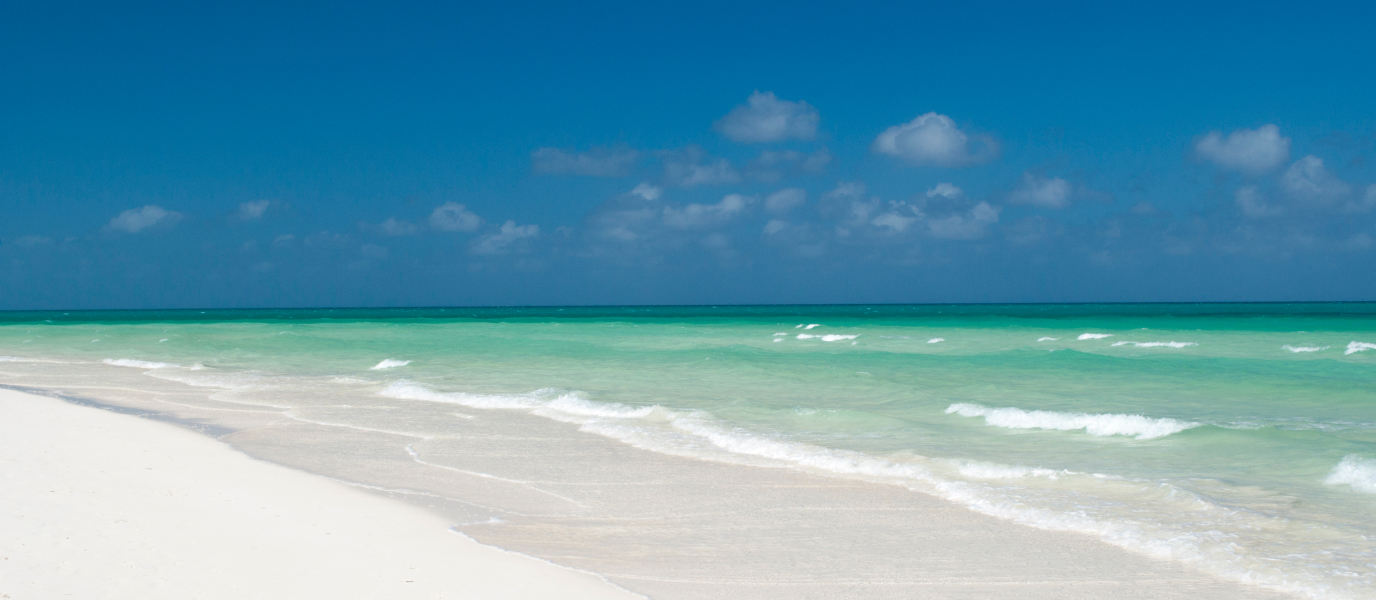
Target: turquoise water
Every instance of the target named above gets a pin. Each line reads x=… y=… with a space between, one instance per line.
x=1240 y=438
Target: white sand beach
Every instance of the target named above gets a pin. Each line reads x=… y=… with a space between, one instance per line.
x=102 y=505
x=116 y=506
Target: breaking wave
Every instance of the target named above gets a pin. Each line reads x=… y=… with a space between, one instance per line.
x=1094 y=336
x=1136 y=426
x=138 y=364
x=1354 y=471
x=827 y=338
x=1303 y=348
x=1354 y=347
x=1157 y=344
x=389 y=364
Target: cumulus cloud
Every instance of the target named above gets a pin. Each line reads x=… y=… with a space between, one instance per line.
x=765 y=118
x=897 y=220
x=692 y=167
x=135 y=220
x=452 y=216
x=505 y=239
x=1045 y=192
x=1250 y=201
x=934 y=139
x=596 y=162
x=252 y=211
x=944 y=190
x=968 y=225
x=391 y=227
x=1309 y=181
x=703 y=215
x=1252 y=150
x=784 y=201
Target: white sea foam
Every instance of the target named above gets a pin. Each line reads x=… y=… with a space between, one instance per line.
x=163 y=340
x=1157 y=344
x=389 y=364
x=1137 y=426
x=1304 y=348
x=1094 y=336
x=935 y=340
x=1354 y=471
x=986 y=470
x=138 y=364
x=779 y=334
x=813 y=325
x=1354 y=347
x=1047 y=339
x=827 y=338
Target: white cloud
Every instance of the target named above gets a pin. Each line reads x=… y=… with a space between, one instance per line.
x=452 y=216
x=934 y=139
x=765 y=118
x=596 y=162
x=506 y=237
x=283 y=240
x=965 y=226
x=1309 y=181
x=895 y=221
x=135 y=220
x=945 y=190
x=1253 y=205
x=703 y=215
x=1253 y=150
x=1045 y=192
x=775 y=226
x=692 y=167
x=647 y=191
x=252 y=211
x=1366 y=204
x=785 y=200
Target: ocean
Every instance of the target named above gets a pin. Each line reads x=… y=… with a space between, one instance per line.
x=1237 y=438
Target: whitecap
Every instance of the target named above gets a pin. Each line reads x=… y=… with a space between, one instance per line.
x=827 y=338
x=779 y=334
x=812 y=325
x=1157 y=344
x=1354 y=347
x=138 y=364
x=1047 y=339
x=1137 y=426
x=1094 y=336
x=1354 y=471
x=984 y=470
x=1303 y=348
x=935 y=340
x=389 y=364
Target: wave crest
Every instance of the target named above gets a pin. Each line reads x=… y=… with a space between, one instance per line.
x=1136 y=426
x=1354 y=347
x=138 y=364
x=1157 y=344
x=1354 y=471
x=1093 y=336
x=389 y=364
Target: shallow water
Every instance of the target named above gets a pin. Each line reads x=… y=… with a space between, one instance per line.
x=1240 y=438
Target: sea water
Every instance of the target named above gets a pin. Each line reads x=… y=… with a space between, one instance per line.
x=1238 y=438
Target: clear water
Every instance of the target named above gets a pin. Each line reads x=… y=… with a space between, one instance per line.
x=1240 y=438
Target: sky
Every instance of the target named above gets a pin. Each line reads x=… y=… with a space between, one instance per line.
x=463 y=154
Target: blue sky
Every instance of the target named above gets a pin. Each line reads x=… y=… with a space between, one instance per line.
x=607 y=153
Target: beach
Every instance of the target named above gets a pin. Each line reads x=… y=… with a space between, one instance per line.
x=103 y=505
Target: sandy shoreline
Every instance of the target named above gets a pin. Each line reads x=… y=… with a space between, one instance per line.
x=102 y=505
x=665 y=526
